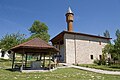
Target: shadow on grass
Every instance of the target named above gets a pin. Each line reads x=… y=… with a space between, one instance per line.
x=115 y=67
x=4 y=60
x=13 y=70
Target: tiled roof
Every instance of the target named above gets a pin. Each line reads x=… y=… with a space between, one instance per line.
x=35 y=43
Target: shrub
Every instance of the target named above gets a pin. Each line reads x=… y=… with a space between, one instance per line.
x=96 y=62
x=100 y=62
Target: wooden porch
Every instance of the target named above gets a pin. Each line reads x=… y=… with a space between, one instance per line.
x=38 y=48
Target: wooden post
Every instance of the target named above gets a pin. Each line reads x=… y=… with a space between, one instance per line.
x=40 y=56
x=26 y=60
x=37 y=58
x=22 y=62
x=49 y=60
x=13 y=60
x=44 y=61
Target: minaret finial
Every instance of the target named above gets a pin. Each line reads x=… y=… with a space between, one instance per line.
x=69 y=10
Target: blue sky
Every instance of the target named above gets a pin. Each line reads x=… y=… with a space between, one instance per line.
x=90 y=16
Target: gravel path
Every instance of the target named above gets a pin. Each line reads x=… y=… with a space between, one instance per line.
x=96 y=70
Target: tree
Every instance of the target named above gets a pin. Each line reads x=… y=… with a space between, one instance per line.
x=10 y=40
x=117 y=33
x=117 y=43
x=40 y=30
x=113 y=49
x=106 y=34
x=108 y=49
x=117 y=40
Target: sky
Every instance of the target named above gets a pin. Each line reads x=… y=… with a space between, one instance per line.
x=90 y=16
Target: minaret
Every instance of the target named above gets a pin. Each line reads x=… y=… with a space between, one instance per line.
x=69 y=19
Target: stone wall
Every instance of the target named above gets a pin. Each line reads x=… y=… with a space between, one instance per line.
x=69 y=48
x=80 y=48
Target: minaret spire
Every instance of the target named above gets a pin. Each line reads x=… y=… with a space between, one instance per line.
x=69 y=19
x=69 y=10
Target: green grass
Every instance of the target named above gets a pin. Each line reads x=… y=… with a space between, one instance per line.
x=102 y=67
x=59 y=74
x=4 y=63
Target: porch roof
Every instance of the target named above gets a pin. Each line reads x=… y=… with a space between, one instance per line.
x=35 y=45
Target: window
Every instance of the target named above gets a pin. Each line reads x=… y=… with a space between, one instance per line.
x=100 y=57
x=91 y=56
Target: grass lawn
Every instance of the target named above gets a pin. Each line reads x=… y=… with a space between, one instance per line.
x=103 y=67
x=59 y=74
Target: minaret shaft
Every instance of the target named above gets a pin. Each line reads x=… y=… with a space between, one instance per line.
x=69 y=20
x=70 y=26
